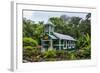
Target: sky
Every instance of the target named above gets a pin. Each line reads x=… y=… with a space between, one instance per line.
x=45 y=15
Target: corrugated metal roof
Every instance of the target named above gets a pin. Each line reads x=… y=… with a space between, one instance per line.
x=62 y=36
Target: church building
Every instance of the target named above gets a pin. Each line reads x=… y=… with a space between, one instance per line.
x=54 y=40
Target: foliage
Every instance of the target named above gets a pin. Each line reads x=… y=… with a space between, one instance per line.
x=29 y=42
x=27 y=28
x=83 y=41
x=84 y=45
x=27 y=52
x=61 y=54
x=33 y=30
x=50 y=54
x=29 y=49
x=71 y=55
x=76 y=27
x=31 y=54
x=58 y=22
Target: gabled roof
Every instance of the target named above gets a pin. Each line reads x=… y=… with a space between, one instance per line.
x=62 y=36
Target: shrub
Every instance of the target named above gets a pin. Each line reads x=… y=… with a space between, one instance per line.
x=84 y=45
x=60 y=54
x=50 y=54
x=27 y=53
x=28 y=48
x=71 y=55
x=31 y=54
x=29 y=42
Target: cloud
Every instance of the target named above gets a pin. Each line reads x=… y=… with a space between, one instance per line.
x=28 y=14
x=45 y=15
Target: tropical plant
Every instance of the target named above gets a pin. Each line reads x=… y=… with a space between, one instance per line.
x=50 y=54
x=27 y=41
x=84 y=46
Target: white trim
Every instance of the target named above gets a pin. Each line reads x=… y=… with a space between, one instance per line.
x=66 y=44
x=59 y=44
x=13 y=37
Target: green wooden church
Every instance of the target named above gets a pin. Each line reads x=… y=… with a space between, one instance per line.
x=54 y=40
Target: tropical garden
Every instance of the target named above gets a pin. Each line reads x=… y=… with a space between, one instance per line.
x=76 y=27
